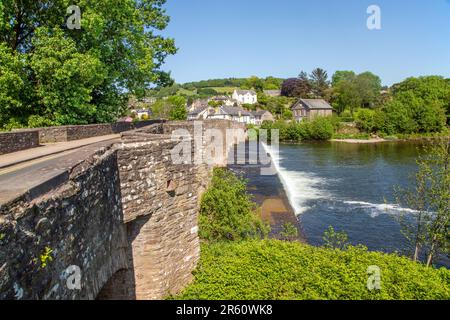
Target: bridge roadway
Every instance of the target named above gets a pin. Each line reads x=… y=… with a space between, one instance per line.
x=35 y=171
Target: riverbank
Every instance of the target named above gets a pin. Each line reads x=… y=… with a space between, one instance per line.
x=401 y=138
x=378 y=140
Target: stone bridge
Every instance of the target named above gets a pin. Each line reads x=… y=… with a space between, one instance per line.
x=121 y=222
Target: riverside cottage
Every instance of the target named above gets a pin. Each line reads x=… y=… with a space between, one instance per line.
x=310 y=108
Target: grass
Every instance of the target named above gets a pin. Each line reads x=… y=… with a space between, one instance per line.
x=277 y=270
x=224 y=90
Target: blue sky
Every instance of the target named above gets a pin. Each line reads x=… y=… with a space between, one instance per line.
x=240 y=38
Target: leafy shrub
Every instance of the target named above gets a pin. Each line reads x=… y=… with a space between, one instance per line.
x=365 y=120
x=346 y=116
x=320 y=128
x=271 y=269
x=36 y=121
x=289 y=232
x=335 y=240
x=226 y=211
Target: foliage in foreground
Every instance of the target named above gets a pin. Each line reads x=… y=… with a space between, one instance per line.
x=226 y=211
x=427 y=227
x=271 y=269
x=51 y=75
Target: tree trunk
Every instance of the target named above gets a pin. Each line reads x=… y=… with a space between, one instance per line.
x=416 y=253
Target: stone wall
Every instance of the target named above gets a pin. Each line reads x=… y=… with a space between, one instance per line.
x=76 y=132
x=128 y=217
x=70 y=133
x=16 y=141
x=81 y=223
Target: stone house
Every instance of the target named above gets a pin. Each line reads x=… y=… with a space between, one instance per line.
x=245 y=96
x=310 y=108
x=262 y=115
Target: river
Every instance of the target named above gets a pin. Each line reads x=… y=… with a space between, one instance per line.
x=347 y=186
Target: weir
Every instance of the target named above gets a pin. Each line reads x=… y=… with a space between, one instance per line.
x=122 y=221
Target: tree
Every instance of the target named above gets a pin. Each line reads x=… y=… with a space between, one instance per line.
x=346 y=96
x=55 y=63
x=117 y=51
x=272 y=83
x=227 y=212
x=351 y=91
x=319 y=82
x=13 y=83
x=427 y=227
x=254 y=83
x=369 y=88
x=178 y=109
x=417 y=105
x=339 y=76
x=296 y=87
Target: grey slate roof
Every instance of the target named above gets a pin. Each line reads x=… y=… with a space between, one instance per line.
x=197 y=111
x=234 y=111
x=243 y=92
x=312 y=104
x=259 y=113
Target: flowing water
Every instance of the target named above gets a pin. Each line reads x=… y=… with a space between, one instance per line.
x=349 y=187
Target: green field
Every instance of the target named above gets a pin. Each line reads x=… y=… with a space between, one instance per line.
x=224 y=90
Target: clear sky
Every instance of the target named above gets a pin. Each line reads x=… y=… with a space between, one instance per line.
x=240 y=38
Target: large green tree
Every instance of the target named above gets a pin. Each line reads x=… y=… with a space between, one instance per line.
x=417 y=105
x=319 y=82
x=351 y=91
x=79 y=76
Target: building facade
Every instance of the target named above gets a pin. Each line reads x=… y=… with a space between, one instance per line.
x=245 y=96
x=311 y=108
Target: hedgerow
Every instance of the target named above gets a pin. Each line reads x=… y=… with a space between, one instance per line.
x=272 y=269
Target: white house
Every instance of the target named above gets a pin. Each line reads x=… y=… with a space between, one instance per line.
x=245 y=96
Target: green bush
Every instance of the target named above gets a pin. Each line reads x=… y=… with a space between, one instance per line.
x=226 y=211
x=320 y=128
x=36 y=121
x=365 y=120
x=346 y=116
x=271 y=269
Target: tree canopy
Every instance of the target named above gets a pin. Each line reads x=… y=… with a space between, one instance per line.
x=64 y=76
